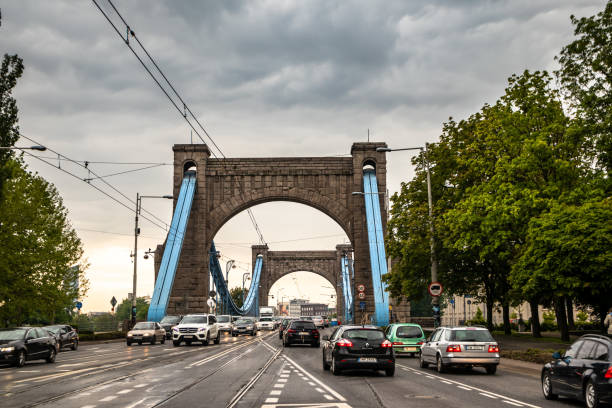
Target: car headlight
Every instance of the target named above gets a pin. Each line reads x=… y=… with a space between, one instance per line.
x=202 y=329
x=147 y=334
x=175 y=329
x=130 y=334
x=6 y=349
x=249 y=327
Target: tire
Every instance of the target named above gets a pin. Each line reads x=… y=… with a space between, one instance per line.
x=591 y=395
x=52 y=355
x=491 y=369
x=163 y=340
x=188 y=342
x=234 y=334
x=218 y=338
x=21 y=359
x=253 y=333
x=440 y=366
x=547 y=389
x=335 y=370
x=129 y=343
x=176 y=343
x=325 y=365
x=207 y=340
x=75 y=345
x=140 y=343
x=390 y=372
x=422 y=362
x=153 y=340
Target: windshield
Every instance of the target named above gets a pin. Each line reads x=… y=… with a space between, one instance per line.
x=12 y=334
x=223 y=319
x=144 y=326
x=361 y=334
x=244 y=321
x=471 y=335
x=266 y=319
x=302 y=326
x=409 y=332
x=195 y=319
x=170 y=320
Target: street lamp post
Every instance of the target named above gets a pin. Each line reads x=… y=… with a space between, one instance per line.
x=135 y=254
x=435 y=300
x=246 y=276
x=229 y=265
x=36 y=147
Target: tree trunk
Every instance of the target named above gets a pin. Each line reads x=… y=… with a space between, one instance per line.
x=506 y=316
x=535 y=319
x=490 y=315
x=559 y=303
x=570 y=313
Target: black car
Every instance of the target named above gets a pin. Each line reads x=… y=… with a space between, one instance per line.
x=358 y=347
x=26 y=343
x=583 y=372
x=301 y=332
x=168 y=322
x=66 y=336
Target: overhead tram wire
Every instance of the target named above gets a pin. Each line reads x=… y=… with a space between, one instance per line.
x=186 y=108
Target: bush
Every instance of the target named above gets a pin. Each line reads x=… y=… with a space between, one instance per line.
x=101 y=336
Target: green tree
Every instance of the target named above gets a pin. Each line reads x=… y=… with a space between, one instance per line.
x=124 y=309
x=236 y=294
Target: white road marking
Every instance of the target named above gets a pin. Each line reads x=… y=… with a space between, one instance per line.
x=279 y=385
x=88 y=406
x=332 y=392
x=488 y=395
x=319 y=390
x=311 y=383
x=271 y=400
x=109 y=398
x=140 y=385
x=328 y=397
x=512 y=403
x=446 y=382
x=30 y=371
x=464 y=388
x=282 y=380
x=275 y=392
x=71 y=365
x=284 y=376
x=125 y=391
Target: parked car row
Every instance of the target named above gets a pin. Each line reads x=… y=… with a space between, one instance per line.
x=21 y=344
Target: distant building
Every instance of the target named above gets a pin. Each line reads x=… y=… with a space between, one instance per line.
x=313 y=309
x=295 y=307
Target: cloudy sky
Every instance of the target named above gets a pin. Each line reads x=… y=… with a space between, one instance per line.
x=267 y=78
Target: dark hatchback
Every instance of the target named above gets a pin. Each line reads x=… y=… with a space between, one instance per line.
x=168 y=322
x=358 y=348
x=301 y=332
x=583 y=372
x=66 y=336
x=26 y=343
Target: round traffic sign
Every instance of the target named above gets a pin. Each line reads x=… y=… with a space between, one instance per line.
x=435 y=289
x=360 y=288
x=361 y=295
x=212 y=293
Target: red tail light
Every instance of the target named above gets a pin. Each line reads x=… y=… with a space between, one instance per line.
x=344 y=343
x=453 y=348
x=608 y=373
x=420 y=343
x=291 y=331
x=493 y=348
x=315 y=333
x=398 y=343
x=386 y=344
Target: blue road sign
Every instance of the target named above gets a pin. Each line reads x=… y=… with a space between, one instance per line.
x=362 y=305
x=452 y=301
x=79 y=305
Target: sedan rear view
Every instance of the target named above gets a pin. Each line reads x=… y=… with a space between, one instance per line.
x=301 y=332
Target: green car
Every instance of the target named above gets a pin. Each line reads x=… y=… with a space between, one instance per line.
x=407 y=338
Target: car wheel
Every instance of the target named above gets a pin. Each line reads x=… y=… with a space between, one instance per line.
x=591 y=395
x=163 y=340
x=176 y=343
x=21 y=359
x=234 y=334
x=207 y=340
x=52 y=354
x=253 y=333
x=547 y=387
x=334 y=367
x=422 y=362
x=325 y=365
x=140 y=343
x=129 y=343
x=75 y=345
x=390 y=372
x=218 y=338
x=440 y=366
x=153 y=340
x=491 y=369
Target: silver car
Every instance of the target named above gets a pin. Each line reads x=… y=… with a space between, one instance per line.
x=461 y=346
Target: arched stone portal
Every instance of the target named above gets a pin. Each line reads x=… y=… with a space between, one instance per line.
x=277 y=264
x=226 y=187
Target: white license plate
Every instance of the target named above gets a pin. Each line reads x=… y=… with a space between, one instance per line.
x=474 y=348
x=410 y=349
x=188 y=337
x=367 y=360
x=304 y=333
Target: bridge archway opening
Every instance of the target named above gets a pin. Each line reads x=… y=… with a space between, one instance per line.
x=189 y=166
x=305 y=285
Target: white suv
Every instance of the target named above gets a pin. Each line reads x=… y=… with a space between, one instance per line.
x=266 y=323
x=196 y=327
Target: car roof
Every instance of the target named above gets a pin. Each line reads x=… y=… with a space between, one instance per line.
x=606 y=338
x=406 y=324
x=367 y=326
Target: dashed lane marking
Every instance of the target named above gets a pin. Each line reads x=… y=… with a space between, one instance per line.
x=275 y=392
x=328 y=397
x=125 y=391
x=325 y=387
x=109 y=398
x=464 y=388
x=319 y=390
x=488 y=395
x=140 y=385
x=512 y=403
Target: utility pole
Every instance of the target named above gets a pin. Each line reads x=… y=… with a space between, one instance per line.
x=435 y=301
x=136 y=233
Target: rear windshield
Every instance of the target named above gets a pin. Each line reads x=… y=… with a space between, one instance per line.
x=302 y=325
x=409 y=332
x=170 y=320
x=223 y=319
x=244 y=321
x=363 y=334
x=471 y=335
x=144 y=326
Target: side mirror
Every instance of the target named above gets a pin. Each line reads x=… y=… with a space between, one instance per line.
x=326 y=338
x=556 y=355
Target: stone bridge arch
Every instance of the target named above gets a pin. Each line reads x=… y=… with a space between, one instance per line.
x=277 y=264
x=225 y=187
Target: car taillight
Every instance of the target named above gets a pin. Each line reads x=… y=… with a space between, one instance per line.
x=608 y=373
x=315 y=333
x=493 y=348
x=398 y=343
x=420 y=343
x=291 y=331
x=386 y=344
x=453 y=348
x=344 y=343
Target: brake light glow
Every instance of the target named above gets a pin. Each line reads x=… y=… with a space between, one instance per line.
x=420 y=343
x=398 y=343
x=344 y=343
x=493 y=348
x=608 y=373
x=386 y=344
x=291 y=331
x=453 y=348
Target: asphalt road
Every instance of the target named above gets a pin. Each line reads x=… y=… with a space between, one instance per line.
x=250 y=372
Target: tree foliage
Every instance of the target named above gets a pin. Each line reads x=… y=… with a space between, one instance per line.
x=124 y=309
x=236 y=294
